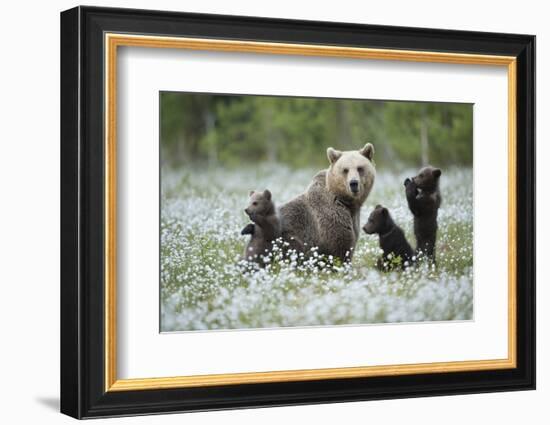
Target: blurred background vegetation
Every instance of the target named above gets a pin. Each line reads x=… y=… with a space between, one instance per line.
x=234 y=130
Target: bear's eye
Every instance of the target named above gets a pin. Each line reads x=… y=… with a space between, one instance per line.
x=360 y=170
x=254 y=203
x=346 y=170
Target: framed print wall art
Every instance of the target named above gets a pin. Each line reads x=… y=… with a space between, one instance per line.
x=261 y=212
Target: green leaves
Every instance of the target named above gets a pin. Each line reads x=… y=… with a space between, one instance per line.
x=232 y=130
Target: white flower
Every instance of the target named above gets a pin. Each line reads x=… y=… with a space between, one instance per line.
x=204 y=285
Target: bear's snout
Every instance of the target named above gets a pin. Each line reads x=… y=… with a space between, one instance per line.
x=354 y=186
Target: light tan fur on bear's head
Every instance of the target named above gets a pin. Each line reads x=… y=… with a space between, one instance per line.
x=351 y=174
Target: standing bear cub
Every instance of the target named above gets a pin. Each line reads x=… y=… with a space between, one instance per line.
x=396 y=250
x=265 y=228
x=424 y=199
x=327 y=214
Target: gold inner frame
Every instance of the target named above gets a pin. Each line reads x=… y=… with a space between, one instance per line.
x=113 y=41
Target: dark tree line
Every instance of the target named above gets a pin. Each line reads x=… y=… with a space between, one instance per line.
x=232 y=130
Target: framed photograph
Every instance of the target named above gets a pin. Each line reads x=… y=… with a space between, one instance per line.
x=261 y=212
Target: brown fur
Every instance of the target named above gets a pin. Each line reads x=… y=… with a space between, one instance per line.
x=392 y=239
x=327 y=215
x=265 y=228
x=424 y=199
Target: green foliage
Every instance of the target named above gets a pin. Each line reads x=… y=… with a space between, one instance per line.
x=231 y=130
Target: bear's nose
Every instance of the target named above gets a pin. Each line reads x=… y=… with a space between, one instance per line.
x=354 y=186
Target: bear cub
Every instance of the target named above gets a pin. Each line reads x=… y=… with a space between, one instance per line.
x=424 y=199
x=397 y=251
x=266 y=226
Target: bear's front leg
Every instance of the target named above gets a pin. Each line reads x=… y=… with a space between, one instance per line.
x=248 y=229
x=411 y=192
x=382 y=264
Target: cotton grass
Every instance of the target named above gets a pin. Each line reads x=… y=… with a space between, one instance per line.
x=204 y=287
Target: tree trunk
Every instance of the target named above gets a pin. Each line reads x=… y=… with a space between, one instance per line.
x=270 y=134
x=344 y=126
x=424 y=143
x=209 y=122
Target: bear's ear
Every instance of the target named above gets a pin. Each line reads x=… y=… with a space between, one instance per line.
x=333 y=155
x=377 y=207
x=437 y=172
x=367 y=151
x=251 y=193
x=267 y=195
x=385 y=212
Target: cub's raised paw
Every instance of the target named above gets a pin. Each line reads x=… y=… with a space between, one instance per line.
x=248 y=229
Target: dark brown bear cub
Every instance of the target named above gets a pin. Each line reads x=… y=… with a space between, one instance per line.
x=424 y=199
x=265 y=228
x=397 y=251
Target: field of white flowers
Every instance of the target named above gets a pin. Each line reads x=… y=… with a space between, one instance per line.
x=203 y=287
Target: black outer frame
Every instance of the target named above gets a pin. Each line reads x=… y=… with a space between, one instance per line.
x=82 y=219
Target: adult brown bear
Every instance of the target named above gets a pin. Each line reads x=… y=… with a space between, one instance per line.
x=327 y=214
